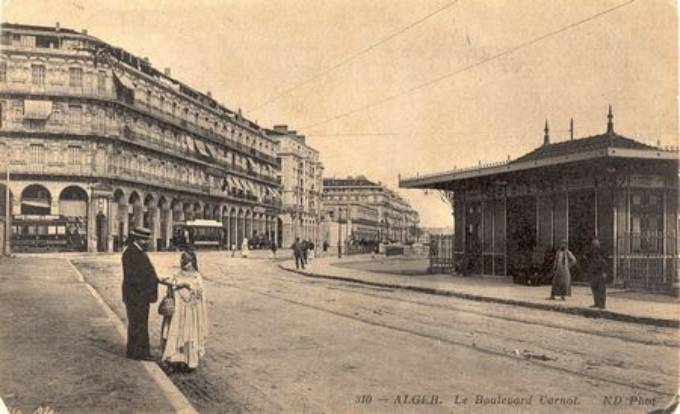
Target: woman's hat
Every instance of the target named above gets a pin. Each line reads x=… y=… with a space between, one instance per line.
x=141 y=233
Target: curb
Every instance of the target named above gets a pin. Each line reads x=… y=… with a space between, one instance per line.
x=178 y=401
x=585 y=312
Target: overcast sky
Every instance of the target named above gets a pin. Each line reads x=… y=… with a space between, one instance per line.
x=248 y=52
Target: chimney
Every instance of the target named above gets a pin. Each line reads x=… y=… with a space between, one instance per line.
x=281 y=128
x=571 y=128
x=209 y=94
x=84 y=31
x=546 y=136
x=167 y=72
x=58 y=26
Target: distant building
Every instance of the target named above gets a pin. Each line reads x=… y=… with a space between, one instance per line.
x=357 y=209
x=100 y=142
x=608 y=186
x=301 y=181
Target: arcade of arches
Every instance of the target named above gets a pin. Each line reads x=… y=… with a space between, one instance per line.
x=103 y=216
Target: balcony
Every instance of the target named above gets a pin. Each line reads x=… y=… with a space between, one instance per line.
x=146 y=140
x=48 y=89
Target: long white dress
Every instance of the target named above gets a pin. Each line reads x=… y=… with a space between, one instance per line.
x=186 y=335
x=244 y=248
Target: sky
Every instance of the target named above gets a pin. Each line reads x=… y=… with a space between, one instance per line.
x=398 y=88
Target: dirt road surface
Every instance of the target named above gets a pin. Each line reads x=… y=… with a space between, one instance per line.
x=280 y=342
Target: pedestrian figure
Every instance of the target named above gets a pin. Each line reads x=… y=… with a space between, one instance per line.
x=310 y=248
x=564 y=261
x=233 y=250
x=140 y=288
x=186 y=328
x=244 y=248
x=325 y=245
x=298 y=253
x=305 y=248
x=596 y=269
x=273 y=247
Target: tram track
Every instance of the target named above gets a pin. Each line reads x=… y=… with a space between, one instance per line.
x=238 y=283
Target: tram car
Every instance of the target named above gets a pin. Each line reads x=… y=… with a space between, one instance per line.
x=45 y=233
x=197 y=234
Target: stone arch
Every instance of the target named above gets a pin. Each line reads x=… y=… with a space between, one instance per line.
x=73 y=202
x=119 y=212
x=36 y=199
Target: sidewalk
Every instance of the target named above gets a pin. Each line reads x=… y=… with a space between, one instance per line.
x=644 y=308
x=60 y=347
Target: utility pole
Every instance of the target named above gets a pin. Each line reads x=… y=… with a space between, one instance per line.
x=339 y=233
x=8 y=209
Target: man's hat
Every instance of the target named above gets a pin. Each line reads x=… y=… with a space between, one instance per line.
x=141 y=233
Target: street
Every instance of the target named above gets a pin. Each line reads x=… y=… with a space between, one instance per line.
x=280 y=342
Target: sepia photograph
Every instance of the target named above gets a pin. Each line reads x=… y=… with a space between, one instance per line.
x=342 y=206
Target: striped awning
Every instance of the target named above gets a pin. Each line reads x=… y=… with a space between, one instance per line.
x=232 y=182
x=248 y=186
x=37 y=109
x=125 y=81
x=239 y=184
x=212 y=150
x=189 y=141
x=36 y=203
x=201 y=148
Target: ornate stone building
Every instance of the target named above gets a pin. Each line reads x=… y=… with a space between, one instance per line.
x=301 y=181
x=100 y=136
x=372 y=212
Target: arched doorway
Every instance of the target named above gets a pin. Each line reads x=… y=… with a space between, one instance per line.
x=73 y=205
x=135 y=214
x=36 y=200
x=121 y=215
x=150 y=220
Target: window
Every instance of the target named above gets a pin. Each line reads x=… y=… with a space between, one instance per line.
x=38 y=74
x=37 y=154
x=75 y=114
x=101 y=82
x=74 y=155
x=75 y=77
x=27 y=41
x=3 y=71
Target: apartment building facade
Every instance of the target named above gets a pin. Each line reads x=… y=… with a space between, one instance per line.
x=99 y=136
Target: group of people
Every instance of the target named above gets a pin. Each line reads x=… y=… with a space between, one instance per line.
x=595 y=267
x=185 y=327
x=303 y=251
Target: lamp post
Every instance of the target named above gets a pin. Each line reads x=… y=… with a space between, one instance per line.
x=339 y=233
x=8 y=209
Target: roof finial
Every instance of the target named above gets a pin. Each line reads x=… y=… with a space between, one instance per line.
x=610 y=123
x=571 y=128
x=546 y=137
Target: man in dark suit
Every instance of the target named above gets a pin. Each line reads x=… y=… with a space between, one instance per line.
x=140 y=288
x=298 y=253
x=596 y=269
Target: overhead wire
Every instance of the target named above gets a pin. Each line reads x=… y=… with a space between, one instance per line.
x=352 y=57
x=471 y=66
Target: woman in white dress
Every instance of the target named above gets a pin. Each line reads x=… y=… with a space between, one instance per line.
x=244 y=247
x=186 y=330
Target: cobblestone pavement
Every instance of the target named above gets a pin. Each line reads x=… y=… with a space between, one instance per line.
x=59 y=349
x=280 y=342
